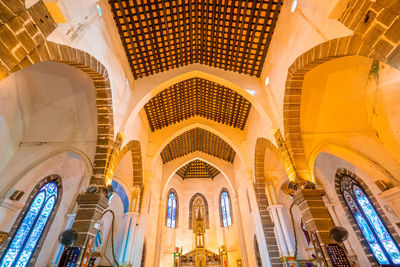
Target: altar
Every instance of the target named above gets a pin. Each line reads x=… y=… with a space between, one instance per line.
x=200 y=256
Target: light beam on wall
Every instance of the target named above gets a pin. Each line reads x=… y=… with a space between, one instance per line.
x=266 y=81
x=252 y=92
x=99 y=10
x=294 y=5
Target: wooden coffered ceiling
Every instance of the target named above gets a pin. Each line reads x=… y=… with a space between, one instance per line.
x=197 y=169
x=198 y=139
x=197 y=97
x=162 y=35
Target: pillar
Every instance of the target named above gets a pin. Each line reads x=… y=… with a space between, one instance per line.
x=315 y=215
x=90 y=210
x=126 y=252
x=286 y=230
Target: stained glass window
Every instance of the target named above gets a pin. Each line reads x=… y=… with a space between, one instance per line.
x=379 y=240
x=28 y=233
x=226 y=209
x=171 y=212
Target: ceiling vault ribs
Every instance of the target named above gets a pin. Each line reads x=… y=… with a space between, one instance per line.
x=197 y=169
x=198 y=139
x=161 y=35
x=197 y=97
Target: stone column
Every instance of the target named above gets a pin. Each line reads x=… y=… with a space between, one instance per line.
x=90 y=210
x=126 y=251
x=315 y=215
x=281 y=229
x=285 y=228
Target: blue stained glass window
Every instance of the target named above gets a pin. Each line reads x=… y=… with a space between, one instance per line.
x=171 y=211
x=226 y=209
x=23 y=243
x=379 y=240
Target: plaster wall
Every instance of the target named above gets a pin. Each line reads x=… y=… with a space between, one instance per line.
x=337 y=109
x=325 y=169
x=74 y=174
x=45 y=108
x=295 y=33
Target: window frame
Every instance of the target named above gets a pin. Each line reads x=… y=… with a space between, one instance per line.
x=28 y=203
x=221 y=212
x=172 y=191
x=341 y=174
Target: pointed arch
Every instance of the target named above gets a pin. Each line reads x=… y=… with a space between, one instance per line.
x=364 y=214
x=203 y=198
x=49 y=51
x=379 y=48
x=30 y=229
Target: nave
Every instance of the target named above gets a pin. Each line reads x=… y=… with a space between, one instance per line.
x=199 y=133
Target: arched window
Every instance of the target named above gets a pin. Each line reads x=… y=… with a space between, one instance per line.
x=26 y=236
x=226 y=210
x=198 y=203
x=374 y=230
x=171 y=209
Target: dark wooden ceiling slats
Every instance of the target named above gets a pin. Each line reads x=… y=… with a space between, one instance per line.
x=198 y=139
x=163 y=35
x=197 y=169
x=197 y=97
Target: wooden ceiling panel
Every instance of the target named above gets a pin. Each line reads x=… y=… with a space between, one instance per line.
x=197 y=97
x=198 y=139
x=162 y=35
x=197 y=169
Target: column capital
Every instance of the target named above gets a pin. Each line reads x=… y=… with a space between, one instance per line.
x=307 y=194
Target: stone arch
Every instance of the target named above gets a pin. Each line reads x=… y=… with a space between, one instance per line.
x=257 y=252
x=51 y=178
x=225 y=170
x=191 y=209
x=49 y=51
x=27 y=30
x=262 y=201
x=376 y=37
x=172 y=190
x=338 y=176
x=172 y=77
x=133 y=147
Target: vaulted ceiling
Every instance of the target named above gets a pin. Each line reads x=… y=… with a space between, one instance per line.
x=197 y=169
x=197 y=97
x=162 y=35
x=198 y=139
